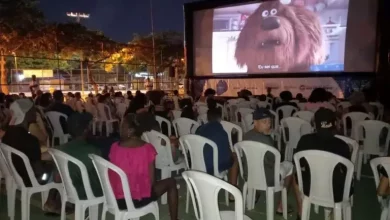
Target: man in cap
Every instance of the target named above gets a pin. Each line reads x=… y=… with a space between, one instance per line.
x=323 y=139
x=261 y=132
x=16 y=135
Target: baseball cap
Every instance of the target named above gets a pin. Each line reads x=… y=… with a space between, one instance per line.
x=19 y=109
x=261 y=113
x=324 y=118
x=78 y=123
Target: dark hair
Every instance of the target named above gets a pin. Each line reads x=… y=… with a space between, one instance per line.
x=77 y=95
x=214 y=114
x=318 y=95
x=137 y=103
x=209 y=92
x=137 y=92
x=2 y=97
x=129 y=95
x=155 y=97
x=187 y=110
x=70 y=94
x=102 y=98
x=263 y=98
x=44 y=101
x=211 y=103
x=137 y=124
x=175 y=92
x=299 y=96
x=90 y=95
x=286 y=96
x=58 y=96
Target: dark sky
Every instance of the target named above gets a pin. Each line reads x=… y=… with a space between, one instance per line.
x=119 y=19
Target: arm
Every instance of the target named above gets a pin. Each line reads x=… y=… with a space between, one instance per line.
x=151 y=173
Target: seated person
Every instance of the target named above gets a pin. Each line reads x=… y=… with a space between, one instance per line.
x=300 y=98
x=286 y=97
x=187 y=109
x=358 y=104
x=262 y=133
x=137 y=158
x=59 y=106
x=319 y=98
x=214 y=131
x=176 y=100
x=324 y=139
x=79 y=125
x=209 y=93
x=383 y=187
x=16 y=135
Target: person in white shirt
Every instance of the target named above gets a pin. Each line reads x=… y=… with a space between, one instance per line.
x=176 y=99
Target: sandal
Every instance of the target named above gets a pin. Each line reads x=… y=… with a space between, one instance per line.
x=289 y=211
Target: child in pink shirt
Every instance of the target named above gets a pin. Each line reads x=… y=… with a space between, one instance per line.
x=137 y=159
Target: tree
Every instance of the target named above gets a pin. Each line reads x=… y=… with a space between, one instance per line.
x=21 y=25
x=168 y=47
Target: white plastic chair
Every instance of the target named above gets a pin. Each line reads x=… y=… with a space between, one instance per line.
x=371 y=140
x=264 y=104
x=301 y=106
x=240 y=114
x=270 y=100
x=62 y=161
x=296 y=129
x=164 y=159
x=383 y=201
x=229 y=128
x=54 y=120
x=18 y=184
x=354 y=147
x=5 y=173
x=103 y=167
x=105 y=117
x=247 y=121
x=204 y=190
x=121 y=109
x=202 y=119
x=202 y=109
x=254 y=153
x=305 y=115
x=184 y=126
x=355 y=118
x=194 y=144
x=286 y=111
x=380 y=108
x=322 y=165
x=343 y=105
x=162 y=120
x=176 y=114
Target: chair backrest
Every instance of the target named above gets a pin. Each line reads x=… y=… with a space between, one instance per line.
x=103 y=167
x=195 y=144
x=164 y=153
x=54 y=120
x=264 y=104
x=184 y=126
x=270 y=100
x=286 y=111
x=375 y=163
x=104 y=112
x=296 y=129
x=275 y=120
x=202 y=119
x=301 y=106
x=343 y=105
x=229 y=128
x=63 y=161
x=254 y=153
x=353 y=146
x=162 y=120
x=202 y=109
x=176 y=114
x=241 y=112
x=380 y=108
x=370 y=132
x=322 y=165
x=204 y=190
x=355 y=118
x=121 y=109
x=4 y=167
x=247 y=122
x=8 y=153
x=305 y=115
x=244 y=104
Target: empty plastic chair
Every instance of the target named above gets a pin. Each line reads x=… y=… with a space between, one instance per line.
x=58 y=132
x=241 y=113
x=103 y=167
x=286 y=111
x=321 y=167
x=105 y=117
x=204 y=190
x=355 y=118
x=161 y=121
x=184 y=126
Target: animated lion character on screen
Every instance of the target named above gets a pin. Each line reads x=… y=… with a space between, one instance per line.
x=280 y=38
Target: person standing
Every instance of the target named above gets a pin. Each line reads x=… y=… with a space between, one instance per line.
x=34 y=86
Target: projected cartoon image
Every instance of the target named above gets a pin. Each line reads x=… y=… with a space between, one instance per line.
x=280 y=36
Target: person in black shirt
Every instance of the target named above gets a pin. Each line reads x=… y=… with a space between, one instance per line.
x=324 y=139
x=59 y=106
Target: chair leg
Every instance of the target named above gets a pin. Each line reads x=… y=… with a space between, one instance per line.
x=327 y=214
x=245 y=196
x=337 y=211
x=11 y=197
x=104 y=212
x=25 y=202
x=360 y=164
x=305 y=209
x=165 y=174
x=270 y=203
x=384 y=214
x=187 y=200
x=284 y=202
x=94 y=212
x=347 y=213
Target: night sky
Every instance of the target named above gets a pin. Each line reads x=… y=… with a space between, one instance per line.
x=119 y=19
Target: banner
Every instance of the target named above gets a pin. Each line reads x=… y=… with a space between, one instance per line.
x=230 y=87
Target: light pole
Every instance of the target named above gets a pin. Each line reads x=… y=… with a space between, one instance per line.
x=78 y=16
x=153 y=45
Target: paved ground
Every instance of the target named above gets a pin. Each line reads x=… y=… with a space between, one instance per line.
x=365 y=206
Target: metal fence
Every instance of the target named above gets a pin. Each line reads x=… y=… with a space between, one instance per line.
x=52 y=77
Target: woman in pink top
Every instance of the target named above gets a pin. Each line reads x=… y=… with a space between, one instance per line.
x=318 y=98
x=137 y=159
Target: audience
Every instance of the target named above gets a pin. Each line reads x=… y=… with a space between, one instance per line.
x=318 y=98
x=285 y=97
x=214 y=131
x=262 y=133
x=188 y=109
x=59 y=106
x=323 y=139
x=359 y=104
x=137 y=159
x=79 y=103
